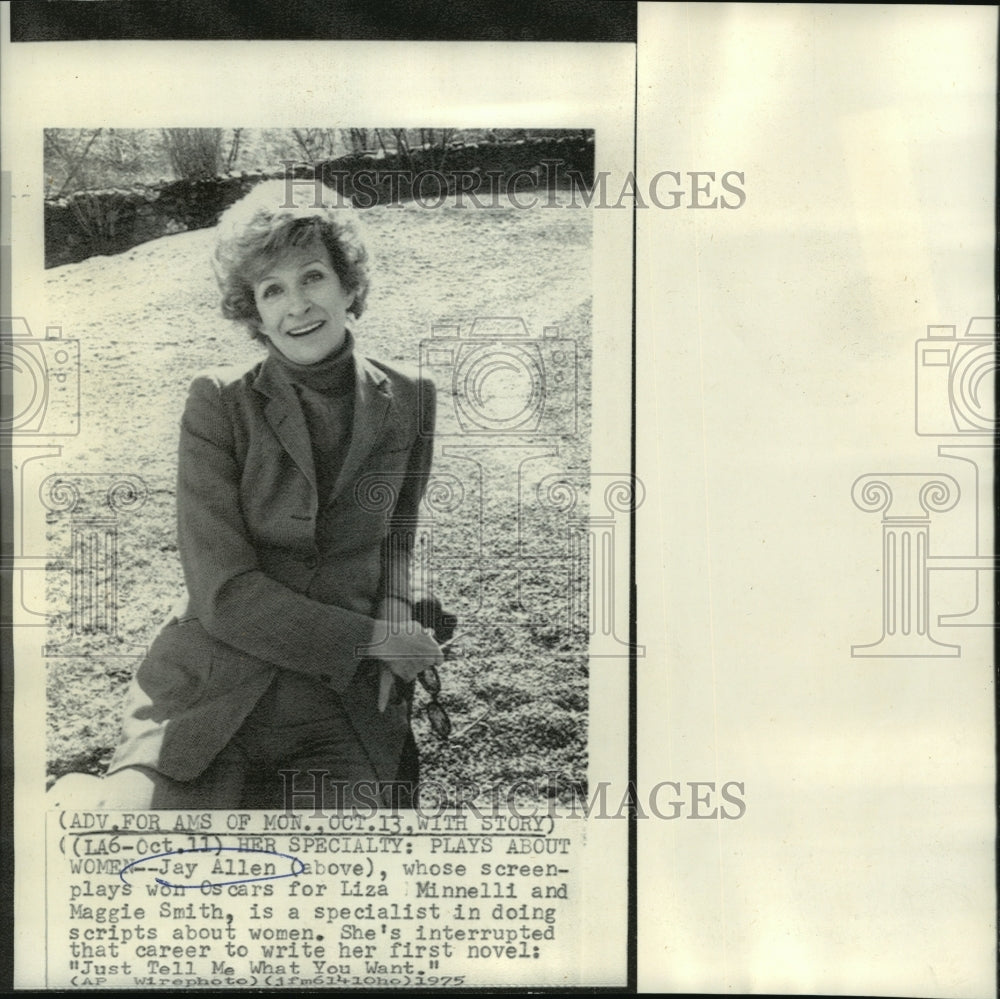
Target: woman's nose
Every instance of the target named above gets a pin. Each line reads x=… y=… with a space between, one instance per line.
x=298 y=302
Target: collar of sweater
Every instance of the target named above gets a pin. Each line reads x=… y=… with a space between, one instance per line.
x=332 y=376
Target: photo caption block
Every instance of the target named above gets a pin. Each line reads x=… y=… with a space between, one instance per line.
x=259 y=899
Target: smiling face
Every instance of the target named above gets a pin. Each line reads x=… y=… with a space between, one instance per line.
x=302 y=304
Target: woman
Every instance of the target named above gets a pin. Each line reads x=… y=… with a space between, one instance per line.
x=298 y=486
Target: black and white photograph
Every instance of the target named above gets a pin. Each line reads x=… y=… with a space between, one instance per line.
x=499 y=499
x=406 y=568
x=334 y=592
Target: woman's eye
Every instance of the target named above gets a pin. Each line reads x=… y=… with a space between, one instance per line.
x=313 y=276
x=269 y=291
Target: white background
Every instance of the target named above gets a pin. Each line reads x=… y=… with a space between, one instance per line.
x=775 y=366
x=345 y=84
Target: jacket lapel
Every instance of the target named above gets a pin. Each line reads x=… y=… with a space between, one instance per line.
x=372 y=400
x=284 y=415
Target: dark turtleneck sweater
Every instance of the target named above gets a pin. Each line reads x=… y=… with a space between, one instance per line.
x=326 y=392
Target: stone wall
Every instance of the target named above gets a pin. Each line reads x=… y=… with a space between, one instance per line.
x=92 y=223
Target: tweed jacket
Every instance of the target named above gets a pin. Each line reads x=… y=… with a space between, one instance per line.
x=277 y=576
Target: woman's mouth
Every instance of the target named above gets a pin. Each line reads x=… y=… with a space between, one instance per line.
x=305 y=330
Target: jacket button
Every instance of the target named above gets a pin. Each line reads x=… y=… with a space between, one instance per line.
x=311 y=562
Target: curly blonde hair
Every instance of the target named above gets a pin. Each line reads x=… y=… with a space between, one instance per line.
x=274 y=217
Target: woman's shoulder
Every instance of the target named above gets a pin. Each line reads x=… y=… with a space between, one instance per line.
x=222 y=395
x=226 y=376
x=399 y=374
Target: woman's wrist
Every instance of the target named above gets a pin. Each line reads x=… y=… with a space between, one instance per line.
x=395 y=608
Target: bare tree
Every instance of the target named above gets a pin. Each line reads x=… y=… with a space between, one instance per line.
x=234 y=148
x=359 y=140
x=402 y=145
x=315 y=144
x=66 y=150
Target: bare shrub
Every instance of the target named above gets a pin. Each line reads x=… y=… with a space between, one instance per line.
x=194 y=153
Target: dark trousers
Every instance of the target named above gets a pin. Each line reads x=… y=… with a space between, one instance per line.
x=296 y=750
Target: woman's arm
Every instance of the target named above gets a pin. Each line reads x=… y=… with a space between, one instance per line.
x=396 y=605
x=397 y=549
